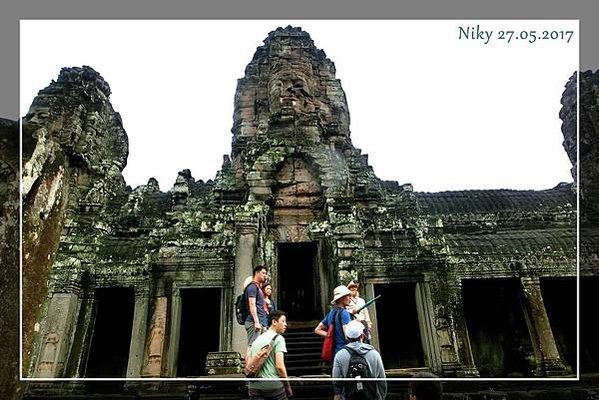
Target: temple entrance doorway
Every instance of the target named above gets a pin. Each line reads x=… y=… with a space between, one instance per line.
x=199 y=332
x=400 y=339
x=494 y=311
x=559 y=297
x=589 y=345
x=111 y=337
x=298 y=280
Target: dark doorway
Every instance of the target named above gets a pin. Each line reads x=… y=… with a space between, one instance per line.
x=298 y=281
x=398 y=327
x=111 y=337
x=200 y=329
x=559 y=296
x=497 y=328
x=589 y=345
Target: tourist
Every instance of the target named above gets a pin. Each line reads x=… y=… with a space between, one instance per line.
x=274 y=366
x=339 y=316
x=269 y=303
x=425 y=389
x=375 y=390
x=356 y=302
x=257 y=319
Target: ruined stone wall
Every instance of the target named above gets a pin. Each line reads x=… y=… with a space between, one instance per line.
x=589 y=133
x=74 y=151
x=589 y=154
x=9 y=259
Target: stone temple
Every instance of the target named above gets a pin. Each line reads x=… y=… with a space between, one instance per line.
x=122 y=282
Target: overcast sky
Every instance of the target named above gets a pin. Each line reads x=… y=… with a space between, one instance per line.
x=430 y=109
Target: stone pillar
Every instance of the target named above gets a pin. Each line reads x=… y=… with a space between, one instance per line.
x=369 y=294
x=245 y=250
x=428 y=333
x=155 y=340
x=138 y=334
x=57 y=335
x=551 y=361
x=172 y=353
x=465 y=367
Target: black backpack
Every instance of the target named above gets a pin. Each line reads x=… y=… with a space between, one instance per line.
x=358 y=368
x=241 y=306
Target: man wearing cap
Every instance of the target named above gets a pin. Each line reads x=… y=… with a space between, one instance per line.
x=355 y=334
x=338 y=316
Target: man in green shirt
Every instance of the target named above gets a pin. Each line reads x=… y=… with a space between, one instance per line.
x=274 y=366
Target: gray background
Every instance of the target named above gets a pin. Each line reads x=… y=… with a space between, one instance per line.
x=585 y=10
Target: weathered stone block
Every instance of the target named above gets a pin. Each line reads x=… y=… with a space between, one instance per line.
x=223 y=363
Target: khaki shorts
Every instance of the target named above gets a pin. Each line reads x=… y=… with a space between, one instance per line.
x=252 y=332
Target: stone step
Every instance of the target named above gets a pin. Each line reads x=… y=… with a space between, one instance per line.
x=304 y=347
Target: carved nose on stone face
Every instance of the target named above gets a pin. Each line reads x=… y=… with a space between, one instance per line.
x=289 y=90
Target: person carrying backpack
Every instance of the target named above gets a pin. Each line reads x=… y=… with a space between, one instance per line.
x=338 y=317
x=273 y=367
x=358 y=359
x=257 y=319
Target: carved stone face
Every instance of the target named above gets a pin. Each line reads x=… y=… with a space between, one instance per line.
x=37 y=116
x=290 y=90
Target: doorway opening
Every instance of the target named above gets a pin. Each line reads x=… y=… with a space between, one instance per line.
x=111 y=337
x=494 y=312
x=559 y=297
x=298 y=281
x=199 y=332
x=589 y=345
x=401 y=347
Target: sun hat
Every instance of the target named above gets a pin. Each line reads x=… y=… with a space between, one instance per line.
x=354 y=329
x=353 y=284
x=339 y=292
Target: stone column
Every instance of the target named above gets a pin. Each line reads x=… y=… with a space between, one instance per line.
x=138 y=334
x=551 y=360
x=465 y=367
x=245 y=250
x=430 y=342
x=57 y=335
x=172 y=352
x=155 y=342
x=369 y=294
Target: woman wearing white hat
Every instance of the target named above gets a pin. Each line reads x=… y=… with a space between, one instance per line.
x=338 y=316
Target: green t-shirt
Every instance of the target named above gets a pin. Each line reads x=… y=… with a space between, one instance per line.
x=269 y=369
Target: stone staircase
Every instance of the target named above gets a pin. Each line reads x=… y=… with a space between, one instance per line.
x=303 y=352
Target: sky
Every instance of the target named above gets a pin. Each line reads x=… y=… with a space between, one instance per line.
x=430 y=107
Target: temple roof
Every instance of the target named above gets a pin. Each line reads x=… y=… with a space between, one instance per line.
x=492 y=201
x=514 y=243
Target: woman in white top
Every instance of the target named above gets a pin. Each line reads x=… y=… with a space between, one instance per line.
x=355 y=303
